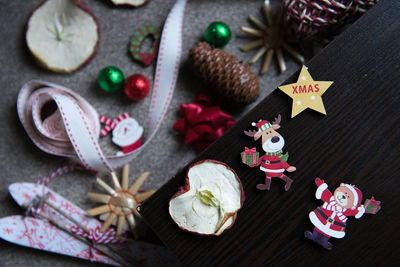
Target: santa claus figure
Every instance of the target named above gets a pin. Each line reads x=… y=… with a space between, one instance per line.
x=330 y=218
x=126 y=132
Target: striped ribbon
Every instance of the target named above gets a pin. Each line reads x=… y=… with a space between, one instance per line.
x=80 y=121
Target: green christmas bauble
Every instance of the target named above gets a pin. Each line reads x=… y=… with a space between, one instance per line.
x=217 y=34
x=110 y=79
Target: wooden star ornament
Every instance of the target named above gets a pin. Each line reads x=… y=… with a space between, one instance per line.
x=306 y=93
x=271 y=39
x=121 y=203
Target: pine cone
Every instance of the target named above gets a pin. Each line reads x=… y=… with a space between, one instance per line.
x=223 y=72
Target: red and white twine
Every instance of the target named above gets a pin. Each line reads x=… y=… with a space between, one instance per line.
x=60 y=171
x=308 y=18
x=108 y=237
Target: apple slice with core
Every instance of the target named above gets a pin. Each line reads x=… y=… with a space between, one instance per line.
x=62 y=35
x=208 y=202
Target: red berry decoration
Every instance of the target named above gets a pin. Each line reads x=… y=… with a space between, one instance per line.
x=137 y=87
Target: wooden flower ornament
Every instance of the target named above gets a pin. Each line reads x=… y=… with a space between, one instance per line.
x=121 y=204
x=270 y=39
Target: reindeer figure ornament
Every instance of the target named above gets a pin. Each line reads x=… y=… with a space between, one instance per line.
x=273 y=163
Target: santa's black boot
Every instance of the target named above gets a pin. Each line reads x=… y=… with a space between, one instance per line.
x=319 y=238
x=312 y=236
x=265 y=186
x=309 y=235
x=325 y=243
x=288 y=182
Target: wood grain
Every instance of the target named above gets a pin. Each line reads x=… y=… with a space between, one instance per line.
x=357 y=143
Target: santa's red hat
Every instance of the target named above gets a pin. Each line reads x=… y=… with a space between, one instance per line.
x=262 y=125
x=356 y=194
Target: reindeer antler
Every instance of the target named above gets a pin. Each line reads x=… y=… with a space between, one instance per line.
x=250 y=133
x=277 y=120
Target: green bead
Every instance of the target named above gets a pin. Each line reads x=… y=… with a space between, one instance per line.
x=217 y=34
x=110 y=79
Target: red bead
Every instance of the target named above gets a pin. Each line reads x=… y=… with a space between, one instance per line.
x=137 y=87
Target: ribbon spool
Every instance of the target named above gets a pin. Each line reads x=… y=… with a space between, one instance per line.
x=73 y=129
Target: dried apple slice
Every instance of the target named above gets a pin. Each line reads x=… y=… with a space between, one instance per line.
x=135 y=3
x=62 y=35
x=208 y=202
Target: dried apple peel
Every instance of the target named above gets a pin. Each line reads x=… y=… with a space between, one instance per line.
x=62 y=35
x=208 y=202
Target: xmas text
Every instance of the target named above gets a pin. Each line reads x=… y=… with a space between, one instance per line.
x=305 y=88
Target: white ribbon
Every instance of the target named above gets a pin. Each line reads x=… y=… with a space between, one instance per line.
x=81 y=121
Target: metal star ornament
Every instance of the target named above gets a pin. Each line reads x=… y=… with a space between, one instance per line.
x=271 y=40
x=121 y=203
x=306 y=93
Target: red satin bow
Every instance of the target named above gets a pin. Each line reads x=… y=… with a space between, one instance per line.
x=202 y=123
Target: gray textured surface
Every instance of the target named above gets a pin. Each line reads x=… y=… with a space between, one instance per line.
x=21 y=160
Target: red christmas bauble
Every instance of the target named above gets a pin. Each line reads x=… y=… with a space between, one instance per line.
x=137 y=87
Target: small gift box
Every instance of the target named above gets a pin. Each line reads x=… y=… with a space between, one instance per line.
x=249 y=156
x=372 y=206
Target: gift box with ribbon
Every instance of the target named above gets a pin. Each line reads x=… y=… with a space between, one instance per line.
x=372 y=206
x=250 y=156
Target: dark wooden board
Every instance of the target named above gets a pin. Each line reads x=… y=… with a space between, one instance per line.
x=357 y=143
